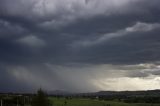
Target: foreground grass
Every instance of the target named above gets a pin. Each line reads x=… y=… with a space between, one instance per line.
x=90 y=102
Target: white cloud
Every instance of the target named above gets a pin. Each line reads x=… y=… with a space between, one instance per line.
x=126 y=83
x=32 y=41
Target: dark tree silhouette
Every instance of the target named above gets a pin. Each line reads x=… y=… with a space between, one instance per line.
x=40 y=99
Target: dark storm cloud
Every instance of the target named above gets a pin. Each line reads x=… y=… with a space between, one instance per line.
x=136 y=44
x=34 y=33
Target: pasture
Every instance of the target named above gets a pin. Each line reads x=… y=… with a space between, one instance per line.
x=93 y=102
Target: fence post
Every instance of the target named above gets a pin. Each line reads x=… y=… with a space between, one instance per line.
x=1 y=102
x=17 y=102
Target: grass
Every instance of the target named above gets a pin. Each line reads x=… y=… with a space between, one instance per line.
x=90 y=102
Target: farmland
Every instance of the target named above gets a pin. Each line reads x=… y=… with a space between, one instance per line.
x=93 y=102
x=102 y=98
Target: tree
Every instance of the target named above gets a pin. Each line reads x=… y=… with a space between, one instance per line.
x=40 y=99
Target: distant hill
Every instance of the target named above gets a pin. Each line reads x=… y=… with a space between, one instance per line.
x=108 y=93
x=153 y=93
x=59 y=92
x=131 y=93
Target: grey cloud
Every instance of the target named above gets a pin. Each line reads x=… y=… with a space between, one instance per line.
x=101 y=40
x=125 y=47
x=138 y=27
x=32 y=41
x=78 y=77
x=8 y=29
x=58 y=13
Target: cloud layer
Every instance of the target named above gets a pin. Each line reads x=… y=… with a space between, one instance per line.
x=79 y=45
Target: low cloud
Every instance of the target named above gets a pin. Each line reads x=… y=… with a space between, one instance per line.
x=85 y=77
x=32 y=41
x=143 y=27
x=129 y=84
x=8 y=29
x=139 y=27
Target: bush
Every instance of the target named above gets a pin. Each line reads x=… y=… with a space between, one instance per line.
x=40 y=99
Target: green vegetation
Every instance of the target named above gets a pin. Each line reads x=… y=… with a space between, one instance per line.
x=40 y=99
x=93 y=102
x=135 y=98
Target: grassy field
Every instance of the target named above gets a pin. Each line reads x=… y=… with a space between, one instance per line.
x=89 y=102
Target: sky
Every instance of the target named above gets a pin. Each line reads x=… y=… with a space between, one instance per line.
x=79 y=45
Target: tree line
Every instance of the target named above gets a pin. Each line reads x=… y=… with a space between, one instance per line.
x=39 y=99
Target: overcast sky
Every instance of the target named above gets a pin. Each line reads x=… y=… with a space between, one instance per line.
x=79 y=45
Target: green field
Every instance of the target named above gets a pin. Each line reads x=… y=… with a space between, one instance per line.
x=91 y=102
